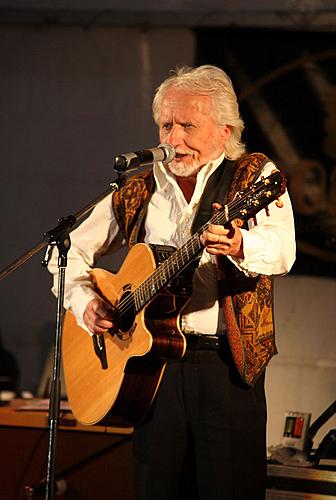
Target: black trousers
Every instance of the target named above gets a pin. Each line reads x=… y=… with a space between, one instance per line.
x=205 y=436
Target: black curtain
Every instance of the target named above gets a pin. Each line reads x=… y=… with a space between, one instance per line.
x=286 y=83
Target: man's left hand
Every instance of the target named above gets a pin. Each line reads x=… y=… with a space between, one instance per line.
x=223 y=240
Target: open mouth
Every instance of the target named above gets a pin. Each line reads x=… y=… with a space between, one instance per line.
x=178 y=156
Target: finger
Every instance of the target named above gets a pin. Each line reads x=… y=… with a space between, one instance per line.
x=215 y=228
x=226 y=231
x=97 y=325
x=97 y=317
x=209 y=239
x=220 y=230
x=229 y=230
x=104 y=323
x=101 y=308
x=217 y=206
x=103 y=312
x=100 y=318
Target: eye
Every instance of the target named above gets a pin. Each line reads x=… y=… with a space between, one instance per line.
x=188 y=125
x=166 y=126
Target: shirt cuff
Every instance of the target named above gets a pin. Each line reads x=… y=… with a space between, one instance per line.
x=77 y=301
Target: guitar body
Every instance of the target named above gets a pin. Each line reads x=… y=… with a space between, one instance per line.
x=116 y=382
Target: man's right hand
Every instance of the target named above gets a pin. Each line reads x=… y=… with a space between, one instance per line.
x=98 y=316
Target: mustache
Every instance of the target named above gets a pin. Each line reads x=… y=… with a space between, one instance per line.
x=183 y=153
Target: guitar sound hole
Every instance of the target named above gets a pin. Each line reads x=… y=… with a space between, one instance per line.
x=126 y=314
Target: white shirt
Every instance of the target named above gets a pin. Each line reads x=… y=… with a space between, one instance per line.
x=269 y=247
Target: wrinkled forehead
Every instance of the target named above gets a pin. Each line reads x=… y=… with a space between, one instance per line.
x=181 y=101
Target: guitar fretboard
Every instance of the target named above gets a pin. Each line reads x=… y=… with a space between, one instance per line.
x=244 y=206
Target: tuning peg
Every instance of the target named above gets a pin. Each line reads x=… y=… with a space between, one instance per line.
x=255 y=222
x=267 y=211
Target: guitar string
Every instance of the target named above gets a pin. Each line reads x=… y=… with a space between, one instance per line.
x=149 y=287
x=179 y=256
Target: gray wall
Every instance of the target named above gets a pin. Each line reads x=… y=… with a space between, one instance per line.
x=70 y=101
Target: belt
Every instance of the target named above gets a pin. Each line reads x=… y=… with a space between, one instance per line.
x=203 y=341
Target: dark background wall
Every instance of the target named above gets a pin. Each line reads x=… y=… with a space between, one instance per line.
x=286 y=82
x=71 y=100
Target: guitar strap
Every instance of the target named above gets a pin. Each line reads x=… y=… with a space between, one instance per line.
x=216 y=189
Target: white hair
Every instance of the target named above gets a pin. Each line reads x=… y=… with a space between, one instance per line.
x=214 y=82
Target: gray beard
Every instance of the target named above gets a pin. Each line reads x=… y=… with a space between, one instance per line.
x=182 y=170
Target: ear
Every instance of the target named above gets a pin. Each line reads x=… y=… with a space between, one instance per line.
x=225 y=133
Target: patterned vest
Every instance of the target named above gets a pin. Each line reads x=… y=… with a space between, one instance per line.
x=247 y=302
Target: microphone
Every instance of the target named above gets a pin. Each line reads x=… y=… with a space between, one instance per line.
x=164 y=153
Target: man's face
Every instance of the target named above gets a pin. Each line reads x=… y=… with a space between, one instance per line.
x=186 y=123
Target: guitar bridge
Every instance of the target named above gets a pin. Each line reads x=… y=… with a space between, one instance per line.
x=100 y=350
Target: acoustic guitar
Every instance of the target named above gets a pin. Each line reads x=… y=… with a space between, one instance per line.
x=112 y=379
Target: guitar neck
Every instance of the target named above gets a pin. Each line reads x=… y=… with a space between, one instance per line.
x=167 y=271
x=244 y=206
x=176 y=263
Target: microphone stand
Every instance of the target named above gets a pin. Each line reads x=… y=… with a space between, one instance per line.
x=59 y=237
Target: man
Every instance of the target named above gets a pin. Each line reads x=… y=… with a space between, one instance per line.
x=210 y=407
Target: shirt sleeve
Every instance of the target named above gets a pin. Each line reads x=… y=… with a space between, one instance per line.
x=99 y=234
x=269 y=246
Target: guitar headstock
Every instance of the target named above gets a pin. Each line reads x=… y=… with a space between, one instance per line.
x=250 y=201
